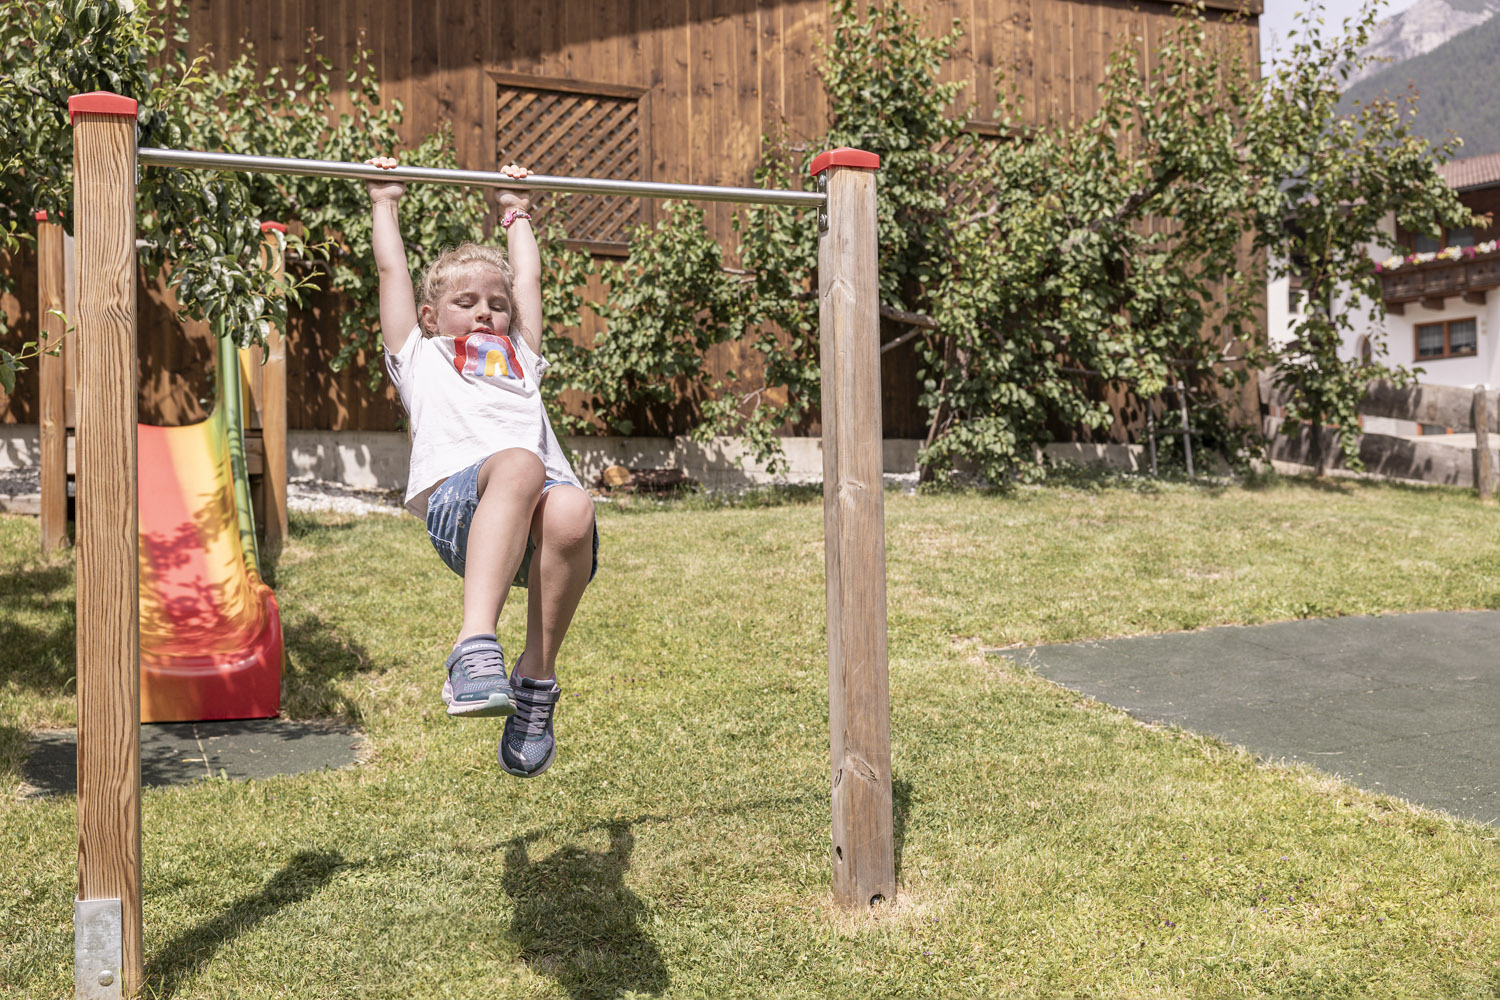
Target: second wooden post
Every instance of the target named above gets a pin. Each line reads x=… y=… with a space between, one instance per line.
x=864 y=867
x=51 y=268
x=266 y=374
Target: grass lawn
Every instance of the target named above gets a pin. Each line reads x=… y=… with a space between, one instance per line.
x=1046 y=844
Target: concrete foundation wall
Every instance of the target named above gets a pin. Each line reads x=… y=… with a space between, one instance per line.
x=1449 y=459
x=20 y=446
x=378 y=459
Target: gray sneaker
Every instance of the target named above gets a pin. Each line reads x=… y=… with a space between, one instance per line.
x=476 y=684
x=527 y=746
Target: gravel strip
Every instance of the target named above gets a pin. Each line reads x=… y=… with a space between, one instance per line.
x=20 y=482
x=303 y=494
x=307 y=494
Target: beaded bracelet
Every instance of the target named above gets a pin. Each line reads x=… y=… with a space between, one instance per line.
x=512 y=216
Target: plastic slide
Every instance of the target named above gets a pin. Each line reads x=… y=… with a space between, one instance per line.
x=211 y=645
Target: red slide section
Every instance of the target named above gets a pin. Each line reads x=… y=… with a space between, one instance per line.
x=211 y=645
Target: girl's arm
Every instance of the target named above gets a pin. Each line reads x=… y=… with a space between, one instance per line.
x=525 y=264
x=398 y=305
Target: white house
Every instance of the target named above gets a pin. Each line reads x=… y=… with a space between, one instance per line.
x=1442 y=295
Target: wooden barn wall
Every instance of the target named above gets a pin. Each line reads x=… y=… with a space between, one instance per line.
x=717 y=75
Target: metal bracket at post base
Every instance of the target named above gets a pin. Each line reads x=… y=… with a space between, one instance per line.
x=98 y=949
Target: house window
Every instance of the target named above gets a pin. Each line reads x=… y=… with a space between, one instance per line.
x=577 y=129
x=1462 y=236
x=1453 y=338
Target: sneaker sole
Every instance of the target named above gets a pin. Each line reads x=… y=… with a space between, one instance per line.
x=526 y=774
x=498 y=703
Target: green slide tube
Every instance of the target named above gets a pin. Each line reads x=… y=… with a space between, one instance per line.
x=232 y=399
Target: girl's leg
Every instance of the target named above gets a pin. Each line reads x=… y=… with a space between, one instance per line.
x=509 y=484
x=563 y=531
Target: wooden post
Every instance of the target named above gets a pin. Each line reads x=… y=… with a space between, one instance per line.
x=51 y=270
x=864 y=868
x=69 y=352
x=1187 y=430
x=109 y=673
x=1482 y=472
x=268 y=392
x=1151 y=436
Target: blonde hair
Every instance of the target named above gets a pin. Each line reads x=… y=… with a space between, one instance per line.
x=460 y=258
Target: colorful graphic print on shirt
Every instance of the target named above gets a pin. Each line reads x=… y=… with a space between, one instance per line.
x=487 y=356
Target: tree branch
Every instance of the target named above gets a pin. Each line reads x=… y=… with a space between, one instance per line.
x=1134 y=202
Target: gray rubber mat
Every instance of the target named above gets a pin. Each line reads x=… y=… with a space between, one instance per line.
x=1407 y=705
x=179 y=753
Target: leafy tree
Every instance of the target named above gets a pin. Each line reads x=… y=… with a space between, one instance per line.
x=668 y=304
x=1338 y=176
x=205 y=224
x=780 y=312
x=1033 y=252
x=1128 y=247
x=201 y=226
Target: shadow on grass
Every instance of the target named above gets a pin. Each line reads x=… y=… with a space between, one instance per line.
x=317 y=657
x=577 y=922
x=15 y=748
x=305 y=874
x=900 y=808
x=1341 y=485
x=574 y=918
x=38 y=657
x=1263 y=481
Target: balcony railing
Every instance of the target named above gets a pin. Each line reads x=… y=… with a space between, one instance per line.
x=1433 y=282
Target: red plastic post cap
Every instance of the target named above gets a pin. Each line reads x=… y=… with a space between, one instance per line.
x=266 y=227
x=100 y=102
x=844 y=156
x=41 y=216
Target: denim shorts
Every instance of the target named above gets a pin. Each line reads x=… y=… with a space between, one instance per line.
x=450 y=511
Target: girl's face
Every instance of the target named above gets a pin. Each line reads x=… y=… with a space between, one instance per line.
x=475 y=300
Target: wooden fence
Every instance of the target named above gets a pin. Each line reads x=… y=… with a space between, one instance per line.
x=1428 y=458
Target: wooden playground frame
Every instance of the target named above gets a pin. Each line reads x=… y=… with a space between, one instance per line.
x=107 y=918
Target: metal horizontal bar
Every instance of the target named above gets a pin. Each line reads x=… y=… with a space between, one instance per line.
x=189 y=159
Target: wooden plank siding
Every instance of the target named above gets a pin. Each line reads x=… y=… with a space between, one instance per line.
x=716 y=76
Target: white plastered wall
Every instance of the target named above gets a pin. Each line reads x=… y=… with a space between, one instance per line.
x=1397 y=332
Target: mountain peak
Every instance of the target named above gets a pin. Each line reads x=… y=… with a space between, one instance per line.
x=1418 y=29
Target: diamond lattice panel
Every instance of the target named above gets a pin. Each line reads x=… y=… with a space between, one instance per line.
x=576 y=135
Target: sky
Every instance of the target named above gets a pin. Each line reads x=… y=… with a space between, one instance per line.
x=1279 y=18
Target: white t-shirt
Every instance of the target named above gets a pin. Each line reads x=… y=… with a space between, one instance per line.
x=467 y=398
